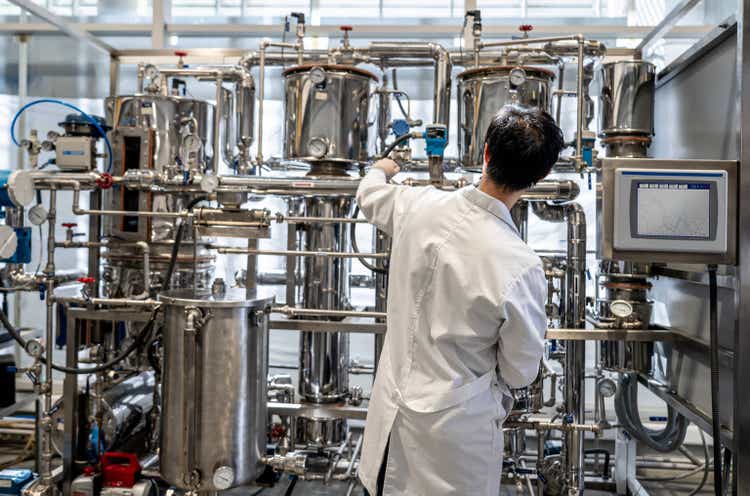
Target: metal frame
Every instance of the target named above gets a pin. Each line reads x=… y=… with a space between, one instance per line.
x=667 y=24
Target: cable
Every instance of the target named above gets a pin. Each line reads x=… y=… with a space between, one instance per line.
x=705 y=466
x=715 y=421
x=396 y=142
x=70 y=106
x=177 y=243
x=137 y=342
x=355 y=248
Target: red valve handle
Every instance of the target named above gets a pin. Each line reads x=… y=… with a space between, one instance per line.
x=69 y=225
x=345 y=28
x=86 y=280
x=525 y=28
x=105 y=181
x=180 y=53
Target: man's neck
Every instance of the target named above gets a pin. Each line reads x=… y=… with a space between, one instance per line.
x=509 y=198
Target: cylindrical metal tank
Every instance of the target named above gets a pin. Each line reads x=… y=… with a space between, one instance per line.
x=214 y=389
x=627 y=98
x=324 y=357
x=154 y=134
x=483 y=91
x=326 y=114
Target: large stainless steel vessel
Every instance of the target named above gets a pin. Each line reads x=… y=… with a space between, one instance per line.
x=214 y=389
x=154 y=134
x=326 y=114
x=627 y=98
x=483 y=91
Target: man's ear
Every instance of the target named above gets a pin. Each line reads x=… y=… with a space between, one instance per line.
x=486 y=157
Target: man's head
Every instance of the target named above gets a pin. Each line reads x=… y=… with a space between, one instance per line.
x=521 y=146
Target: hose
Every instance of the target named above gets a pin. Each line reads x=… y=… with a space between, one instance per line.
x=177 y=243
x=715 y=421
x=705 y=465
x=626 y=406
x=396 y=142
x=137 y=342
x=70 y=106
x=355 y=248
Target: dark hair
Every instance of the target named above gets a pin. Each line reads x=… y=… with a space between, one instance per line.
x=524 y=144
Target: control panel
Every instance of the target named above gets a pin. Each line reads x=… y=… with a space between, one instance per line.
x=669 y=210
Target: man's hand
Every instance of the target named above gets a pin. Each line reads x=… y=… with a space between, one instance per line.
x=388 y=166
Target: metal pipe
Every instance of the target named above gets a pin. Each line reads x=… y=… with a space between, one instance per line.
x=227 y=146
x=581 y=105
x=280 y=218
x=217 y=125
x=527 y=41
x=261 y=96
x=146 y=271
x=293 y=312
x=49 y=274
x=111 y=302
x=298 y=253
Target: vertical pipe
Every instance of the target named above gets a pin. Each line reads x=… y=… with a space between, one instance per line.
x=442 y=86
x=114 y=75
x=251 y=283
x=70 y=405
x=49 y=281
x=217 y=124
x=581 y=104
x=261 y=96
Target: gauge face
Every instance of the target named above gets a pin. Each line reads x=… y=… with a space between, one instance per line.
x=37 y=215
x=517 y=76
x=150 y=71
x=192 y=143
x=223 y=478
x=621 y=309
x=34 y=348
x=209 y=184
x=607 y=388
x=318 y=147
x=317 y=75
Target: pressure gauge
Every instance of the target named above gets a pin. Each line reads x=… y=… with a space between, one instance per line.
x=191 y=143
x=317 y=147
x=621 y=309
x=150 y=72
x=517 y=76
x=318 y=75
x=223 y=478
x=8 y=241
x=34 y=348
x=607 y=387
x=209 y=184
x=37 y=215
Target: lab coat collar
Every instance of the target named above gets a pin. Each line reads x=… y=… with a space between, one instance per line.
x=490 y=204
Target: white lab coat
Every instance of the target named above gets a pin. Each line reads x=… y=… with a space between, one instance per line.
x=466 y=321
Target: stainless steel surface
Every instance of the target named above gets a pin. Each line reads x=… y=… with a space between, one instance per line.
x=328 y=326
x=321 y=432
x=313 y=410
x=328 y=121
x=324 y=357
x=482 y=93
x=214 y=387
x=608 y=252
x=627 y=98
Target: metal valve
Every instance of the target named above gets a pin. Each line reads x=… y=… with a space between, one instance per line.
x=69 y=234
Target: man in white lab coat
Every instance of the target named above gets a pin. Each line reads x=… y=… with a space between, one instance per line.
x=466 y=317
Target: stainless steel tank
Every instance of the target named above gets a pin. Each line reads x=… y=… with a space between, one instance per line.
x=626 y=106
x=326 y=114
x=483 y=91
x=214 y=389
x=154 y=134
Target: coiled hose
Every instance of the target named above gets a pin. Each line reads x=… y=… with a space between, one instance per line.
x=355 y=248
x=626 y=405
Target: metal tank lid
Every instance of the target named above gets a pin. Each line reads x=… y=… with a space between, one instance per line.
x=232 y=298
x=489 y=70
x=330 y=67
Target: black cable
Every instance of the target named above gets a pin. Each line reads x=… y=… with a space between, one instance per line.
x=396 y=142
x=715 y=421
x=177 y=243
x=355 y=248
x=137 y=342
x=291 y=486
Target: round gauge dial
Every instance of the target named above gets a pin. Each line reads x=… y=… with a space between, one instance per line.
x=192 y=143
x=318 y=147
x=517 y=76
x=209 y=184
x=317 y=75
x=607 y=387
x=150 y=71
x=34 y=348
x=37 y=215
x=223 y=478
x=621 y=309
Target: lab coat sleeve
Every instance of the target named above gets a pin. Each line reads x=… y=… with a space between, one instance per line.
x=382 y=203
x=521 y=343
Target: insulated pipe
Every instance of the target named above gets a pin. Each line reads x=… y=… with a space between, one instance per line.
x=227 y=146
x=146 y=271
x=326 y=313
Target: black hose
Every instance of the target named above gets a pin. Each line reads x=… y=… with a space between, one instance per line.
x=291 y=486
x=137 y=342
x=396 y=142
x=355 y=248
x=715 y=421
x=177 y=243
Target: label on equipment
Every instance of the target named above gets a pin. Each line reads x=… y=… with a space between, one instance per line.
x=321 y=95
